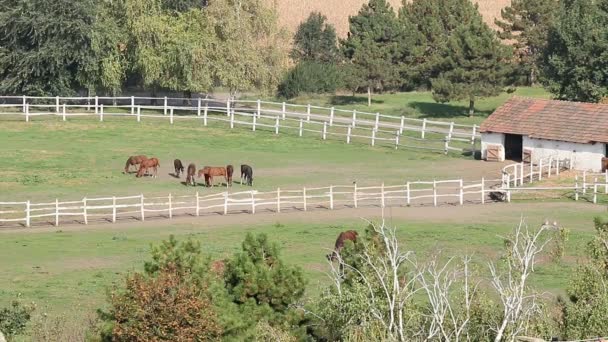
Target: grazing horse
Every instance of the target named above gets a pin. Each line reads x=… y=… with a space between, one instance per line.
x=210 y=172
x=229 y=172
x=190 y=174
x=178 y=167
x=247 y=174
x=133 y=161
x=347 y=235
x=152 y=163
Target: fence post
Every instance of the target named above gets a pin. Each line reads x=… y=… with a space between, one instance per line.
x=101 y=109
x=205 y=113
x=446 y=146
x=423 y=128
x=595 y=192
x=382 y=194
x=56 y=104
x=584 y=182
x=253 y=124
x=278 y=200
x=483 y=190
x=170 y=207
x=84 y=211
x=355 y=196
x=402 y=124
x=473 y=135
x=354 y=124
x=276 y=126
x=451 y=130
x=434 y=193
x=558 y=166
x=373 y=137
x=259 y=108
x=24 y=103
x=407 y=193
x=308 y=113
x=606 y=182
x=56 y=212
x=550 y=165
x=226 y=203
x=397 y=140
x=165 y=107
x=228 y=106
x=324 y=130
x=198 y=107
x=531 y=171
x=27 y=214
x=377 y=120
x=27 y=112
x=171 y=115
x=132 y=105
x=576 y=187
x=101 y=117
x=113 y=209
x=521 y=179
x=331 y=197
x=198 y=207
x=231 y=120
x=64 y=112
x=508 y=196
x=304 y=197
x=96 y=103
x=348 y=135
x=461 y=192
x=252 y=202
x=540 y=169
x=331 y=116
x=301 y=126
x=138 y=113
x=142 y=207
x=283 y=111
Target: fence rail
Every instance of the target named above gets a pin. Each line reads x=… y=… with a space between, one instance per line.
x=140 y=207
x=517 y=174
x=349 y=125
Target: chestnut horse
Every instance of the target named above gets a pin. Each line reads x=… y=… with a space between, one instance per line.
x=229 y=172
x=210 y=172
x=190 y=175
x=152 y=163
x=133 y=161
x=347 y=235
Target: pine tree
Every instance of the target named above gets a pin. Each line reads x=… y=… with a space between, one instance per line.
x=576 y=58
x=526 y=23
x=373 y=45
x=473 y=64
x=315 y=40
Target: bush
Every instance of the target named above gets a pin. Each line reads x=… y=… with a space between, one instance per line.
x=14 y=319
x=310 y=78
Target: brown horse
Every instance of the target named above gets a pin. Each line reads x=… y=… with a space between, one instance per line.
x=229 y=172
x=190 y=175
x=134 y=161
x=343 y=237
x=210 y=172
x=152 y=163
x=177 y=164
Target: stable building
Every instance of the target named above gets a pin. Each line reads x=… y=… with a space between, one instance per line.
x=531 y=129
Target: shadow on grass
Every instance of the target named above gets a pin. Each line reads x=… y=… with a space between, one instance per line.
x=344 y=100
x=444 y=110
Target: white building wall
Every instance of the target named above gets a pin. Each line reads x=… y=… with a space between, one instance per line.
x=585 y=156
x=492 y=139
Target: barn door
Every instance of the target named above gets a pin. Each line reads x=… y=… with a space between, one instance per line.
x=513 y=146
x=527 y=156
x=493 y=153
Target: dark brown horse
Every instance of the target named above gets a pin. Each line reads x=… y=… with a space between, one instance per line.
x=177 y=164
x=343 y=237
x=134 y=161
x=229 y=172
x=152 y=163
x=210 y=172
x=190 y=174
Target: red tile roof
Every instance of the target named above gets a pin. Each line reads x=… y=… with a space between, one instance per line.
x=550 y=120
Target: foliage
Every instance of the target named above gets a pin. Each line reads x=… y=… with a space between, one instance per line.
x=473 y=65
x=43 y=45
x=526 y=23
x=372 y=46
x=576 y=58
x=310 y=77
x=315 y=40
x=14 y=319
x=266 y=332
x=585 y=315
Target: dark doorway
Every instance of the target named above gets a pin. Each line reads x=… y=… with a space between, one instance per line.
x=513 y=147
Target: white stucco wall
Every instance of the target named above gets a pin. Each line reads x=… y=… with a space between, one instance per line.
x=492 y=139
x=586 y=156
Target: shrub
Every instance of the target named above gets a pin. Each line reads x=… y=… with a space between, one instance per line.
x=14 y=319
x=310 y=77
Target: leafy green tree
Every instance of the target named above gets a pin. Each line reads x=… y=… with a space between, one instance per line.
x=526 y=23
x=373 y=44
x=473 y=64
x=312 y=78
x=576 y=58
x=315 y=40
x=43 y=44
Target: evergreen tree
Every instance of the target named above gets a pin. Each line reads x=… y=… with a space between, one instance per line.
x=473 y=64
x=526 y=23
x=373 y=45
x=576 y=58
x=315 y=40
x=429 y=24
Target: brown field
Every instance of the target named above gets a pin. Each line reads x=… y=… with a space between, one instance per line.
x=293 y=12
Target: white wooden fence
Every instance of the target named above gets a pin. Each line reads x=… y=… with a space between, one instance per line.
x=111 y=209
x=514 y=175
x=350 y=125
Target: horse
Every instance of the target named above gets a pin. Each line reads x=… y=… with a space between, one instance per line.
x=190 y=174
x=229 y=172
x=344 y=236
x=177 y=164
x=209 y=172
x=133 y=161
x=152 y=163
x=247 y=174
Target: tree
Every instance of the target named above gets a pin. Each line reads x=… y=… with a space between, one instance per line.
x=310 y=77
x=526 y=23
x=43 y=44
x=473 y=64
x=576 y=58
x=373 y=44
x=315 y=40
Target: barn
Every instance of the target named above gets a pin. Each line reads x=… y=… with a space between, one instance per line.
x=530 y=129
